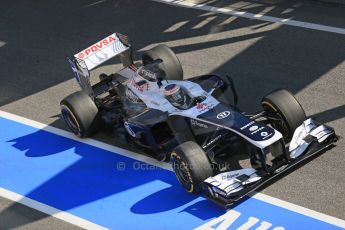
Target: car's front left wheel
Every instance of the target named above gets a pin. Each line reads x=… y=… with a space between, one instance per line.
x=191 y=166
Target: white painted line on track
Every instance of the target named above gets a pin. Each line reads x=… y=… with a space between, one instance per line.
x=228 y=21
x=244 y=14
x=299 y=209
x=175 y=27
x=65 y=216
x=204 y=22
x=78 y=221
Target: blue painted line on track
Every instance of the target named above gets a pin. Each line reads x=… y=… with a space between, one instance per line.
x=84 y=180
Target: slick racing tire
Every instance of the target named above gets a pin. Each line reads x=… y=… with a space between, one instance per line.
x=284 y=112
x=170 y=63
x=191 y=166
x=80 y=114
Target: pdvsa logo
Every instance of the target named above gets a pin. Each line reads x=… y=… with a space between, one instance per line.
x=98 y=46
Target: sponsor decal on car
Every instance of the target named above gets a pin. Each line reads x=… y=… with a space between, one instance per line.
x=101 y=51
x=148 y=74
x=141 y=85
x=204 y=106
x=280 y=169
x=212 y=141
x=155 y=103
x=247 y=125
x=129 y=129
x=131 y=96
x=223 y=114
x=229 y=177
x=264 y=134
x=199 y=124
x=97 y=46
x=201 y=106
x=257 y=130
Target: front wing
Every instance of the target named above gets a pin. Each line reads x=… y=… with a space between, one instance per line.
x=310 y=139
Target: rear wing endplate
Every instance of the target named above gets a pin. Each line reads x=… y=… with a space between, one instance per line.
x=81 y=74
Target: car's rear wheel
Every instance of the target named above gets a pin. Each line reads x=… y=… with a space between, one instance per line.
x=284 y=112
x=191 y=166
x=170 y=63
x=80 y=114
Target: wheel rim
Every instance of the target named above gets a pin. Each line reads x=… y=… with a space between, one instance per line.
x=147 y=59
x=278 y=122
x=70 y=120
x=182 y=173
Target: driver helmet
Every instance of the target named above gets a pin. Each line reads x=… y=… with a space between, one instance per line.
x=176 y=96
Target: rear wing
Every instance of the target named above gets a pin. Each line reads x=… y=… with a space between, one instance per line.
x=93 y=56
x=103 y=50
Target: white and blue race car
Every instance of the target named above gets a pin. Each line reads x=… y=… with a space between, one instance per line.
x=195 y=123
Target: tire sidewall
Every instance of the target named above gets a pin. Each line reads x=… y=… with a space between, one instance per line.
x=83 y=113
x=175 y=158
x=281 y=102
x=191 y=156
x=171 y=65
x=66 y=109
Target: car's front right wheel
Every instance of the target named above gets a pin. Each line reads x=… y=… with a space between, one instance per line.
x=170 y=65
x=284 y=112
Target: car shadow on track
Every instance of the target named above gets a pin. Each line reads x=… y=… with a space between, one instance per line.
x=331 y=114
x=74 y=174
x=92 y=175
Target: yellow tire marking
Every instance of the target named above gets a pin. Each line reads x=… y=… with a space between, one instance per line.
x=174 y=154
x=269 y=105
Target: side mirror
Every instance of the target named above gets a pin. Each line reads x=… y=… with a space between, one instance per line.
x=233 y=89
x=216 y=85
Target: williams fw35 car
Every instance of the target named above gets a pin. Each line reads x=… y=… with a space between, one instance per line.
x=195 y=123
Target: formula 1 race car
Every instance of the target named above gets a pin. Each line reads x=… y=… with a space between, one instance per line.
x=195 y=123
